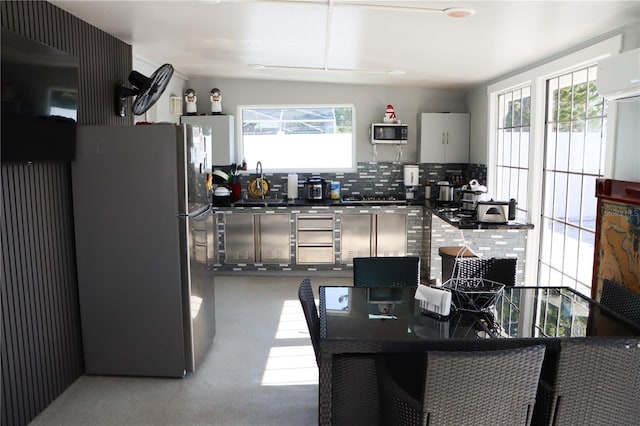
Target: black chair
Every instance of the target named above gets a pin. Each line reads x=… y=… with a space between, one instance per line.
x=500 y=270
x=386 y=271
x=354 y=391
x=495 y=387
x=305 y=294
x=595 y=383
x=620 y=300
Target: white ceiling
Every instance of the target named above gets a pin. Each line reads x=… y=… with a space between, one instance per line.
x=220 y=38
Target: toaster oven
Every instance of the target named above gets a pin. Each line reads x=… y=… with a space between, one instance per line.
x=496 y=211
x=493 y=211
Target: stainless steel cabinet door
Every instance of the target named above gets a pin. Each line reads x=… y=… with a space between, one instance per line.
x=274 y=238
x=355 y=236
x=391 y=234
x=239 y=238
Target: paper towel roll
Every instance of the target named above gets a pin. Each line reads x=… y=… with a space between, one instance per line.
x=292 y=186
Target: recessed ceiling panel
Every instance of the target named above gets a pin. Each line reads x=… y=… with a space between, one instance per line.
x=220 y=39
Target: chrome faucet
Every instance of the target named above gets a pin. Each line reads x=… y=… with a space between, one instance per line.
x=259 y=171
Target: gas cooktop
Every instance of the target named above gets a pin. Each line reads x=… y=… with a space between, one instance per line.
x=373 y=199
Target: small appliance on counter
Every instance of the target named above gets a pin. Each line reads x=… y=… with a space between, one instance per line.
x=411 y=180
x=470 y=195
x=315 y=189
x=496 y=211
x=469 y=200
x=222 y=197
x=445 y=192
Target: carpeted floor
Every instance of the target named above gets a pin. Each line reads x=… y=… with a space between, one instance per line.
x=260 y=370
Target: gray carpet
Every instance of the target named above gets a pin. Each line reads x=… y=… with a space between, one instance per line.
x=259 y=371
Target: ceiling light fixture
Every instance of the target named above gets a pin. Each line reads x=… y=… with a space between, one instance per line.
x=459 y=12
x=452 y=12
x=329 y=69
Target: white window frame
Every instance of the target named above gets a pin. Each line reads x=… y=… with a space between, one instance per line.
x=520 y=210
x=536 y=78
x=267 y=168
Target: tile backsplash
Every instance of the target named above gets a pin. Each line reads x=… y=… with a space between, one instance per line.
x=376 y=178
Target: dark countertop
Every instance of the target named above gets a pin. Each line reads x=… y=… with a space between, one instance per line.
x=453 y=218
x=322 y=203
x=443 y=212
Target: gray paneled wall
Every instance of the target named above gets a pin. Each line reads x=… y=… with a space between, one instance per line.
x=41 y=346
x=41 y=352
x=105 y=61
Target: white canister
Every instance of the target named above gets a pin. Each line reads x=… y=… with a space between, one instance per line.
x=292 y=186
x=411 y=175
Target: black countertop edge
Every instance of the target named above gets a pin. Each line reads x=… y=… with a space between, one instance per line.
x=448 y=216
x=324 y=203
x=464 y=223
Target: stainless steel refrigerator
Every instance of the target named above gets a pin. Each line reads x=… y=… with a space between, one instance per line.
x=144 y=239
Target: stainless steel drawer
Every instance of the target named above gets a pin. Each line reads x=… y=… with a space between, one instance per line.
x=315 y=222
x=313 y=255
x=315 y=237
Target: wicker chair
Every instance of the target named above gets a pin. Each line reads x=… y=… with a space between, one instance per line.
x=620 y=300
x=305 y=294
x=467 y=388
x=596 y=383
x=354 y=391
x=500 y=270
x=386 y=271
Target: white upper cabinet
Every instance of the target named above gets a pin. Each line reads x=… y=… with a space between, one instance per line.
x=444 y=138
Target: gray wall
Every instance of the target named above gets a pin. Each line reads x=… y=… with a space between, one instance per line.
x=370 y=103
x=626 y=125
x=627 y=149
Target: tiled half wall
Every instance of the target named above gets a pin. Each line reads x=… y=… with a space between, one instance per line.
x=499 y=243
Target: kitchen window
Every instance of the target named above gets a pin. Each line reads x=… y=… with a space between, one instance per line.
x=314 y=138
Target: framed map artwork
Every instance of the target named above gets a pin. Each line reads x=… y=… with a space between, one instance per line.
x=617 y=243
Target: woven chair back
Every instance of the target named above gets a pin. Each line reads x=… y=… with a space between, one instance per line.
x=305 y=294
x=386 y=271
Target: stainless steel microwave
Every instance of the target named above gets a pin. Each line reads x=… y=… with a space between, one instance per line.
x=389 y=133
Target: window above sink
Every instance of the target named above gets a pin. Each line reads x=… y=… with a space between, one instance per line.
x=313 y=138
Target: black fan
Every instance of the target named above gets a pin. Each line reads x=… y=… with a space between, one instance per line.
x=146 y=90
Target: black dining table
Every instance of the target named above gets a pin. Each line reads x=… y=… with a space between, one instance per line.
x=358 y=322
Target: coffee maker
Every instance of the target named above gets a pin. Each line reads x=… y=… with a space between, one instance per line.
x=411 y=179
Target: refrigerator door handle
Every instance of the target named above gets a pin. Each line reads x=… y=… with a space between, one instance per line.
x=196 y=213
